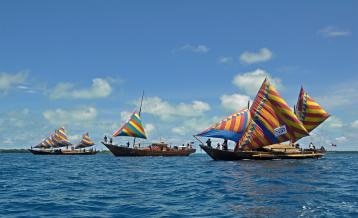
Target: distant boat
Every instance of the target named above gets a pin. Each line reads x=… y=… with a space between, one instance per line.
x=133 y=128
x=260 y=130
x=55 y=143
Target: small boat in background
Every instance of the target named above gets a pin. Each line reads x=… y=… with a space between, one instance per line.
x=133 y=128
x=55 y=143
x=260 y=130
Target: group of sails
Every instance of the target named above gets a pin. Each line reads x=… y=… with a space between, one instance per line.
x=269 y=121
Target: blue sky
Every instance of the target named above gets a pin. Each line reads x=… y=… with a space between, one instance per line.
x=84 y=64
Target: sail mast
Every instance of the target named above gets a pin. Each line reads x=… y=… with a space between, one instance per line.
x=140 y=110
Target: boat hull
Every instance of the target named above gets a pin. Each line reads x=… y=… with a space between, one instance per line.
x=125 y=151
x=60 y=152
x=230 y=155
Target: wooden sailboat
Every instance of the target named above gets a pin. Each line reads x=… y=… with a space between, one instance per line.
x=260 y=130
x=134 y=128
x=55 y=143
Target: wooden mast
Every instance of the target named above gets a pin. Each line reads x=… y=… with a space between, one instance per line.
x=140 y=110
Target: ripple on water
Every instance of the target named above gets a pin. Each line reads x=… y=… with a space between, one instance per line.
x=103 y=185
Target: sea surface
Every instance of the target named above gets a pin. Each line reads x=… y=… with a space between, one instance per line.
x=196 y=186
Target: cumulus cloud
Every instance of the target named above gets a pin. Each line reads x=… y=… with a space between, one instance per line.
x=226 y=60
x=165 y=110
x=354 y=124
x=9 y=80
x=191 y=126
x=341 y=139
x=250 y=82
x=262 y=55
x=100 y=88
x=76 y=116
x=234 y=102
x=339 y=96
x=334 y=122
x=149 y=128
x=334 y=32
x=199 y=49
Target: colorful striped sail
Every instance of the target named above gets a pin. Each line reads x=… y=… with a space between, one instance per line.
x=132 y=128
x=60 y=138
x=85 y=142
x=274 y=122
x=232 y=127
x=310 y=113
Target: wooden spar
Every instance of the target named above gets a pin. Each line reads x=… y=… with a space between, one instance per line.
x=198 y=139
x=248 y=104
x=140 y=110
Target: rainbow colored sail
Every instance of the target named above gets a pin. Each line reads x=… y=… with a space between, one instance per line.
x=132 y=128
x=273 y=120
x=310 y=113
x=232 y=127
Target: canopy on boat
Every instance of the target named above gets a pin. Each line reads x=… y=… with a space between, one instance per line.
x=272 y=121
x=132 y=128
x=310 y=113
x=85 y=142
x=232 y=127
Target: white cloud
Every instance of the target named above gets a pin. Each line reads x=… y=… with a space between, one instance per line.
x=100 y=88
x=200 y=49
x=341 y=139
x=234 y=102
x=8 y=80
x=334 y=122
x=250 y=82
x=226 y=60
x=333 y=32
x=76 y=116
x=149 y=128
x=191 y=126
x=165 y=110
x=355 y=124
x=339 y=96
x=262 y=55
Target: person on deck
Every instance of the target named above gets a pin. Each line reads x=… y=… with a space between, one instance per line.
x=218 y=146
x=208 y=143
x=110 y=140
x=105 y=139
x=128 y=144
x=224 y=145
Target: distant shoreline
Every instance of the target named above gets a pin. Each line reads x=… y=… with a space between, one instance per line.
x=23 y=150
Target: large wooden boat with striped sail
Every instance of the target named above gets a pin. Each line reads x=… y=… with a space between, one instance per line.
x=58 y=144
x=133 y=128
x=260 y=132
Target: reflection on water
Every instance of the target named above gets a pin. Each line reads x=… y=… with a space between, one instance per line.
x=103 y=185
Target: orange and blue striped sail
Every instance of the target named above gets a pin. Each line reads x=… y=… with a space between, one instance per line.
x=309 y=111
x=132 y=128
x=274 y=122
x=232 y=127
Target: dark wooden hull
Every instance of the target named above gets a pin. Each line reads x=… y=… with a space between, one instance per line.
x=230 y=155
x=125 y=151
x=60 y=152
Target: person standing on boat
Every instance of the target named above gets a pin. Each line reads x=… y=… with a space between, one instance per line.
x=218 y=146
x=110 y=140
x=224 y=145
x=128 y=144
x=105 y=139
x=208 y=143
